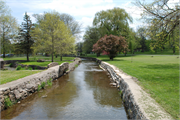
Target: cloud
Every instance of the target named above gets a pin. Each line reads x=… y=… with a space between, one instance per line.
x=82 y=8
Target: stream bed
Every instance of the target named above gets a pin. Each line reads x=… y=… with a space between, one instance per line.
x=84 y=93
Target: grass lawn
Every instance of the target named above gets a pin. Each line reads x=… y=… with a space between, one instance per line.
x=164 y=52
x=11 y=75
x=158 y=75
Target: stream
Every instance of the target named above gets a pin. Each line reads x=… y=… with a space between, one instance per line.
x=84 y=93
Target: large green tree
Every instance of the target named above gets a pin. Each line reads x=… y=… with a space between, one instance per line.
x=91 y=36
x=69 y=21
x=142 y=36
x=8 y=27
x=113 y=21
x=52 y=35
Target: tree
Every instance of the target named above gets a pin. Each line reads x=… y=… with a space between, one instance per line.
x=72 y=24
x=79 y=48
x=142 y=36
x=162 y=18
x=52 y=35
x=68 y=20
x=114 y=21
x=4 y=9
x=111 y=45
x=25 y=38
x=66 y=43
x=91 y=36
x=8 y=27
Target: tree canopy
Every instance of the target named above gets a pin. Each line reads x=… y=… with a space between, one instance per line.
x=52 y=35
x=163 y=22
x=8 y=27
x=111 y=45
x=113 y=21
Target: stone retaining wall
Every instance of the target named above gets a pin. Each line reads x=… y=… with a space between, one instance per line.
x=131 y=106
x=21 y=88
x=72 y=65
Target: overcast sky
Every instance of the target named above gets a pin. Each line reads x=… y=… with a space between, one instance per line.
x=82 y=10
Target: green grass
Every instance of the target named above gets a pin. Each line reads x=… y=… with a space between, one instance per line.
x=164 y=52
x=8 y=102
x=49 y=82
x=158 y=75
x=9 y=75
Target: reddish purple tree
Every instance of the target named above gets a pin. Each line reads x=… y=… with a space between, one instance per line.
x=111 y=45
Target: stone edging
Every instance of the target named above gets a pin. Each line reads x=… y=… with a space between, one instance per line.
x=21 y=88
x=138 y=104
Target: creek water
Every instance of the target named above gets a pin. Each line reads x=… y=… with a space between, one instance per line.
x=84 y=93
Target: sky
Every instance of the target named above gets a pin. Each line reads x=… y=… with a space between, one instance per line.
x=83 y=11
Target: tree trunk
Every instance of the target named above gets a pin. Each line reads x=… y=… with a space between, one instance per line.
x=111 y=58
x=3 y=44
x=52 y=57
x=174 y=49
x=4 y=54
x=52 y=48
x=61 y=57
x=27 y=55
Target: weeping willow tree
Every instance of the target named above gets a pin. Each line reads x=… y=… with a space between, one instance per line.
x=113 y=21
x=52 y=35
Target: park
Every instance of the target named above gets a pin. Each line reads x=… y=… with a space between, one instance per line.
x=115 y=72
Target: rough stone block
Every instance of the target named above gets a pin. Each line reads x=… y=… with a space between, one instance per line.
x=52 y=64
x=17 y=94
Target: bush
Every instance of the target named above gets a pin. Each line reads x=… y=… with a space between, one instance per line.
x=29 y=68
x=7 y=102
x=11 y=65
x=18 y=67
x=34 y=58
x=35 y=68
x=39 y=87
x=49 y=82
x=43 y=85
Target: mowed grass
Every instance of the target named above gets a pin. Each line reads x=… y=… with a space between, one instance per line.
x=158 y=75
x=10 y=75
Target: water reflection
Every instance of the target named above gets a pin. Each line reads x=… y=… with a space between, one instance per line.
x=83 y=94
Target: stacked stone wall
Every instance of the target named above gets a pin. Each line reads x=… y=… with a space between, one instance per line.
x=20 y=89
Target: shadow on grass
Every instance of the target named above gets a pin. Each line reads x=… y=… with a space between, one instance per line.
x=162 y=66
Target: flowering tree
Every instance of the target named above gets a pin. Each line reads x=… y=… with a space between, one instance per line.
x=110 y=45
